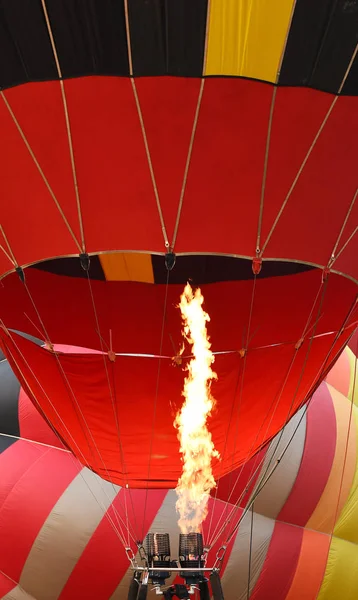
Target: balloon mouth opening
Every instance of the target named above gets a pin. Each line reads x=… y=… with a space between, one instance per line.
x=197 y=268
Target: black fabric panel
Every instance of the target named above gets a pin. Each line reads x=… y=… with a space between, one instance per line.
x=71 y=267
x=186 y=27
x=6 y=442
x=320 y=44
x=25 y=48
x=167 y=36
x=351 y=86
x=9 y=396
x=202 y=269
x=90 y=36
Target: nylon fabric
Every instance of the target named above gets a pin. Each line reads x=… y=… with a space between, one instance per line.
x=17 y=593
x=235 y=578
x=310 y=567
x=23 y=526
x=317 y=462
x=114 y=561
x=276 y=491
x=92 y=434
x=72 y=522
x=281 y=563
x=227 y=163
x=323 y=517
x=320 y=45
x=347 y=523
x=132 y=267
x=247 y=38
x=340 y=377
x=341 y=575
x=353 y=384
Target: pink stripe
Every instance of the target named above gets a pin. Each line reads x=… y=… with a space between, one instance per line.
x=29 y=502
x=105 y=553
x=280 y=565
x=340 y=375
x=316 y=462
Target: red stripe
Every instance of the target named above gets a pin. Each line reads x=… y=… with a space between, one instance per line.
x=6 y=585
x=32 y=424
x=280 y=565
x=104 y=552
x=231 y=486
x=29 y=503
x=14 y=463
x=227 y=161
x=316 y=462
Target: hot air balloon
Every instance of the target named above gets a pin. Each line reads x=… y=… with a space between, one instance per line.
x=62 y=525
x=145 y=144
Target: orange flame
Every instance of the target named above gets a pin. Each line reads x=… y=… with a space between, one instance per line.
x=196 y=445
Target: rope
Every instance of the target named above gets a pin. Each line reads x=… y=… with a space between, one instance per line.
x=76 y=404
x=274 y=405
x=263 y=483
x=39 y=168
x=119 y=534
x=67 y=119
x=188 y=160
x=250 y=551
x=142 y=126
x=236 y=507
x=246 y=343
x=264 y=176
x=309 y=152
x=156 y=397
x=113 y=401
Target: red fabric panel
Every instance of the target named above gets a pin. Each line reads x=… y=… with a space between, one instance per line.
x=231 y=486
x=31 y=216
x=316 y=462
x=14 y=463
x=93 y=563
x=51 y=473
x=6 y=585
x=32 y=425
x=117 y=199
x=84 y=409
x=280 y=565
x=310 y=224
x=134 y=311
x=226 y=168
x=168 y=109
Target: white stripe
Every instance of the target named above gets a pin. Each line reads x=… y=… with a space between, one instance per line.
x=165 y=521
x=235 y=577
x=275 y=492
x=65 y=534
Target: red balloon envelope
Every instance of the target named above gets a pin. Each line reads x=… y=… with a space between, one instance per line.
x=124 y=141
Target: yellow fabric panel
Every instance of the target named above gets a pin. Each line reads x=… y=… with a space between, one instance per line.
x=323 y=517
x=247 y=37
x=347 y=523
x=341 y=577
x=353 y=384
x=121 y=266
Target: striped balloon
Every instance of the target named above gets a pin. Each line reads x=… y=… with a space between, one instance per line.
x=63 y=529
